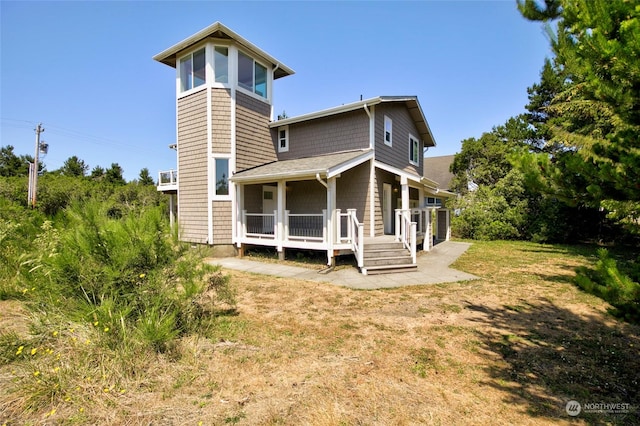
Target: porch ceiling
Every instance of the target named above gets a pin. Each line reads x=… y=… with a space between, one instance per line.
x=304 y=168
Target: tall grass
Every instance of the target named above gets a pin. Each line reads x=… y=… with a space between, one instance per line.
x=106 y=292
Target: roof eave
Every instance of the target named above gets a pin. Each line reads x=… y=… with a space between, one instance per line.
x=168 y=56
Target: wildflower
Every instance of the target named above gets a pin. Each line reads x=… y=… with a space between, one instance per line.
x=96 y=323
x=81 y=409
x=55 y=333
x=36 y=373
x=51 y=413
x=67 y=399
x=106 y=389
x=86 y=342
x=106 y=329
x=122 y=391
x=142 y=275
x=25 y=290
x=19 y=351
x=71 y=330
x=33 y=351
x=56 y=369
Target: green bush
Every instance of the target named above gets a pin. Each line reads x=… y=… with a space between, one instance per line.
x=606 y=281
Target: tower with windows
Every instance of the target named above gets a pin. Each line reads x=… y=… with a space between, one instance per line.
x=224 y=104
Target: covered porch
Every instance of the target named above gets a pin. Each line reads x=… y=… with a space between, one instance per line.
x=329 y=203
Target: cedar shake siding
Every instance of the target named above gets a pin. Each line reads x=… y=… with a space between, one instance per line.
x=253 y=198
x=222 y=231
x=343 y=132
x=254 y=145
x=352 y=192
x=398 y=154
x=192 y=164
x=307 y=196
x=221 y=121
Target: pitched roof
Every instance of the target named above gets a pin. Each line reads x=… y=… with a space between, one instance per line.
x=415 y=110
x=323 y=165
x=437 y=169
x=219 y=31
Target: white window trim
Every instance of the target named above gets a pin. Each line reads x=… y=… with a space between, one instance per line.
x=413 y=139
x=286 y=147
x=214 y=196
x=384 y=131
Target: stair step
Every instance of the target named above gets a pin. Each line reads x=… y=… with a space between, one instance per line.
x=385 y=253
x=383 y=246
x=388 y=261
x=389 y=269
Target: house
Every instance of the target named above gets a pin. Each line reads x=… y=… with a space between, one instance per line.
x=337 y=180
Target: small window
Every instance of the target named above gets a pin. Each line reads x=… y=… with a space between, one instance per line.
x=268 y=195
x=193 y=70
x=283 y=139
x=221 y=64
x=414 y=151
x=388 y=131
x=251 y=75
x=222 y=176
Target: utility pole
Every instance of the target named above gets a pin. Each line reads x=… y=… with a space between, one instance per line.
x=33 y=169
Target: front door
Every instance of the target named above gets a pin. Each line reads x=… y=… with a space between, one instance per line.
x=269 y=204
x=387 y=208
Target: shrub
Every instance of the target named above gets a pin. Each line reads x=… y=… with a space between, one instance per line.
x=606 y=281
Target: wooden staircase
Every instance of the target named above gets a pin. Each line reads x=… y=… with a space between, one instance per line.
x=385 y=256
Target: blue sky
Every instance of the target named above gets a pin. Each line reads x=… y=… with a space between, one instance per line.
x=84 y=69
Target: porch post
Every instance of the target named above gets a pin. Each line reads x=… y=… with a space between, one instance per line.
x=428 y=233
x=331 y=219
x=171 y=215
x=448 y=225
x=240 y=229
x=405 y=193
x=280 y=218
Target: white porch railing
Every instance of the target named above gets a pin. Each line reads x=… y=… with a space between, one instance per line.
x=307 y=227
x=259 y=225
x=355 y=232
x=168 y=178
x=406 y=231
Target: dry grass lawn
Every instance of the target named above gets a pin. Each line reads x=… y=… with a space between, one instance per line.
x=510 y=348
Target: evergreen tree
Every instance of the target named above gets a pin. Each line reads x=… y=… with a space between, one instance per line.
x=114 y=174
x=73 y=166
x=145 y=178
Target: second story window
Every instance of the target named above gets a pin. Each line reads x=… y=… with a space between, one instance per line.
x=192 y=70
x=414 y=150
x=388 y=131
x=283 y=139
x=251 y=75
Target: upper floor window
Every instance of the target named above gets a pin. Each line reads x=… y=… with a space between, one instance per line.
x=414 y=150
x=192 y=70
x=388 y=131
x=221 y=64
x=283 y=139
x=251 y=75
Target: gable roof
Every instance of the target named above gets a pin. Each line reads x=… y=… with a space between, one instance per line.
x=437 y=169
x=325 y=166
x=219 y=31
x=411 y=102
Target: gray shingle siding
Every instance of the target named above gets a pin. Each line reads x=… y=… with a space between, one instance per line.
x=222 y=223
x=254 y=145
x=221 y=121
x=321 y=136
x=192 y=164
x=398 y=154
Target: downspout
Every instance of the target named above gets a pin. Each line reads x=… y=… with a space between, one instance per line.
x=273 y=77
x=319 y=179
x=372 y=174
